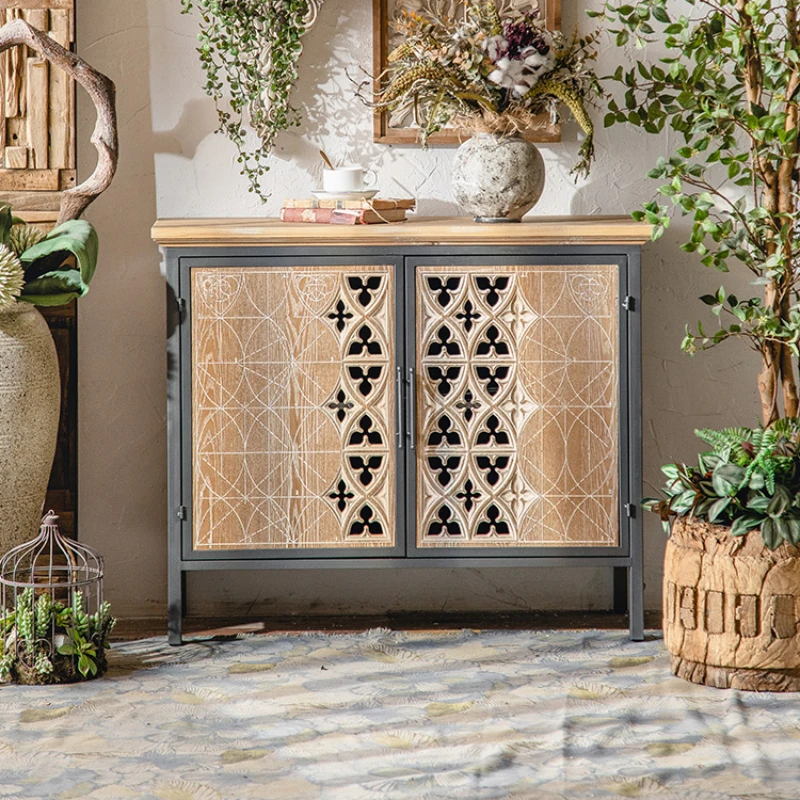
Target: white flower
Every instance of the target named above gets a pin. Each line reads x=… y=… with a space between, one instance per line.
x=12 y=277
x=523 y=73
x=494 y=45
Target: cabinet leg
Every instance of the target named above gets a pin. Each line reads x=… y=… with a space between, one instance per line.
x=176 y=604
x=636 y=604
x=620 y=590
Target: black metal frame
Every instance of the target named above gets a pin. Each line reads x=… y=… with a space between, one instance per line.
x=627 y=558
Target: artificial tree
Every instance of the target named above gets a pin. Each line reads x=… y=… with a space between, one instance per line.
x=729 y=87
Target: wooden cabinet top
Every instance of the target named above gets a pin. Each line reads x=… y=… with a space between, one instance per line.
x=253 y=231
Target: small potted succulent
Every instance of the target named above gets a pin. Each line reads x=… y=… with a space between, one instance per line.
x=492 y=75
x=46 y=642
x=36 y=269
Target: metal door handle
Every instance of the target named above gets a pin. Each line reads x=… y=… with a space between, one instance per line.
x=411 y=408
x=398 y=407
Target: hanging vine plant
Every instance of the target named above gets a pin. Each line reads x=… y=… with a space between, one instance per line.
x=249 y=51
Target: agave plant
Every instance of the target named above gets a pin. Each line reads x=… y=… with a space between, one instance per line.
x=750 y=479
x=45 y=269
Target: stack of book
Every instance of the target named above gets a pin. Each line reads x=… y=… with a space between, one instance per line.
x=347 y=212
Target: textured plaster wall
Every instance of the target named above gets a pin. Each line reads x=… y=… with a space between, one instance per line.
x=172 y=165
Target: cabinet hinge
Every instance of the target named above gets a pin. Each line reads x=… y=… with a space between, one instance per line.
x=630 y=510
x=181 y=303
x=182 y=513
x=629 y=303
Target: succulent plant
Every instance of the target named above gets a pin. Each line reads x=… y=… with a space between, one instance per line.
x=43 y=635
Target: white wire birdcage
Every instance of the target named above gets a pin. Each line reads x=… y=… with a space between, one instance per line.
x=70 y=573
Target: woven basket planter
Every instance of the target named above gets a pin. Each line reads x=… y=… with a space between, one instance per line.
x=730 y=609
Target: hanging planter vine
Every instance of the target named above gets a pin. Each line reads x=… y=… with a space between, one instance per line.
x=249 y=51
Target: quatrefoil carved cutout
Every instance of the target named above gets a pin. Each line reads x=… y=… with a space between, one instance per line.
x=444 y=289
x=366 y=522
x=493 y=522
x=445 y=467
x=366 y=378
x=366 y=289
x=364 y=344
x=341 y=495
x=445 y=523
x=445 y=434
x=492 y=288
x=341 y=315
x=341 y=405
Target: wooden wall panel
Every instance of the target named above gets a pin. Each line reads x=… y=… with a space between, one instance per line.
x=37 y=112
x=293 y=408
x=518 y=395
x=62 y=491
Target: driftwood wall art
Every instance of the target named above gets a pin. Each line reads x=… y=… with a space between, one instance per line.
x=37 y=129
x=37 y=114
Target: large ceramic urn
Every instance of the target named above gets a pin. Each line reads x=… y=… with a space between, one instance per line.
x=497 y=178
x=30 y=399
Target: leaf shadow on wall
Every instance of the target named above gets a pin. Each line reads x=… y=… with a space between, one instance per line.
x=198 y=119
x=337 y=55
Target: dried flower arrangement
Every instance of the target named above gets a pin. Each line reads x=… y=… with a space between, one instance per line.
x=491 y=74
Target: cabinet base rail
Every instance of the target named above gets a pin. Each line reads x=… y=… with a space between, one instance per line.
x=627 y=579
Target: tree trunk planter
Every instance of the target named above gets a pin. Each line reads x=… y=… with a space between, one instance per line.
x=731 y=609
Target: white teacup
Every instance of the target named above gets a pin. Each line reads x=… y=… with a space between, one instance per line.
x=347 y=179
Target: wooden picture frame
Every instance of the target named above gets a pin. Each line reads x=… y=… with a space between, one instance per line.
x=393 y=131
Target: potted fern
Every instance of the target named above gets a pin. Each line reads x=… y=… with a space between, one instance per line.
x=728 y=87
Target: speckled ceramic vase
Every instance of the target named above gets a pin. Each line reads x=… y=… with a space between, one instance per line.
x=30 y=402
x=497 y=178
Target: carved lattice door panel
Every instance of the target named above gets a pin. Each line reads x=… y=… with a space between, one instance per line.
x=293 y=413
x=517 y=396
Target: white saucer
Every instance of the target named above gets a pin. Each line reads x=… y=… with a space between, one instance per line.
x=365 y=195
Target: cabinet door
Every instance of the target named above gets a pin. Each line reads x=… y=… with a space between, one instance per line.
x=517 y=392
x=293 y=408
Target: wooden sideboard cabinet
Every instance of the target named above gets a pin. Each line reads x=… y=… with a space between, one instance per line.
x=433 y=393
